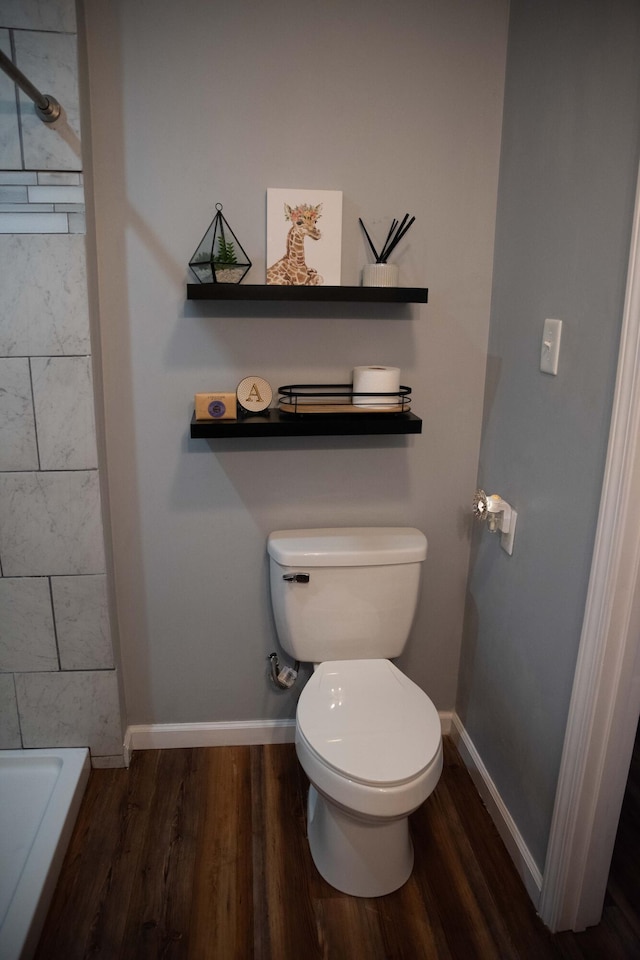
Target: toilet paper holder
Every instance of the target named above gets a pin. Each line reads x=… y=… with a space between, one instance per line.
x=499 y=515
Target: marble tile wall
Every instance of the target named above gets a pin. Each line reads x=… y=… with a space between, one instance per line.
x=58 y=683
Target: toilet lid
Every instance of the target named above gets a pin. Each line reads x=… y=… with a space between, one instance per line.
x=368 y=721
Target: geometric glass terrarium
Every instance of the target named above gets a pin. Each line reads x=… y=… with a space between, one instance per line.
x=220 y=257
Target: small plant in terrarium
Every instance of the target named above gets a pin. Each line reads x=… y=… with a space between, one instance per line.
x=226 y=252
x=220 y=257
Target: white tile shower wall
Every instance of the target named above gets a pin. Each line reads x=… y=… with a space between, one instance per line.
x=63 y=400
x=49 y=60
x=46 y=702
x=82 y=622
x=10 y=738
x=58 y=685
x=50 y=523
x=41 y=202
x=54 y=15
x=43 y=297
x=27 y=634
x=18 y=447
x=10 y=157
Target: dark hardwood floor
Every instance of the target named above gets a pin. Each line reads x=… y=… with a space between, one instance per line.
x=202 y=854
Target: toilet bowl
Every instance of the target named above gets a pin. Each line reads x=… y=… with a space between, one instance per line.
x=367 y=737
x=369 y=740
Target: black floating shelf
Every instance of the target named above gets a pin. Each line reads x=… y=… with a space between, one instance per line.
x=276 y=424
x=321 y=294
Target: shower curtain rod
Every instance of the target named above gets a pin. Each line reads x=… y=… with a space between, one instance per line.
x=47 y=107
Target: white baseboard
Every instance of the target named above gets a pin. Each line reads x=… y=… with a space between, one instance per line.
x=505 y=824
x=446 y=721
x=165 y=736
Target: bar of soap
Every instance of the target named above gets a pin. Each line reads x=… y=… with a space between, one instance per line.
x=216 y=406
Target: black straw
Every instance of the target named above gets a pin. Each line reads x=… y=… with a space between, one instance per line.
x=396 y=232
x=398 y=237
x=375 y=252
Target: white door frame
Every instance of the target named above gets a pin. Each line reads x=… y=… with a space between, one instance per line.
x=605 y=701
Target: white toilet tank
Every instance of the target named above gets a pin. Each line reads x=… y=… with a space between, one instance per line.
x=345 y=593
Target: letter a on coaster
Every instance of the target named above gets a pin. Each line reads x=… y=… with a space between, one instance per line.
x=254 y=394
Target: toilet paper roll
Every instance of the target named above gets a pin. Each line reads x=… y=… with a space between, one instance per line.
x=385 y=380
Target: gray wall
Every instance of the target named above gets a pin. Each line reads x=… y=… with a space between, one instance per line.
x=567 y=181
x=399 y=106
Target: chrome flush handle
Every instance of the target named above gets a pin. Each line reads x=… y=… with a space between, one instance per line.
x=296 y=577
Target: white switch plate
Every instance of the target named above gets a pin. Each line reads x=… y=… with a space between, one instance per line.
x=550 y=352
x=506 y=539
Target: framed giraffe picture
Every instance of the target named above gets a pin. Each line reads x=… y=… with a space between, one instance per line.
x=304 y=237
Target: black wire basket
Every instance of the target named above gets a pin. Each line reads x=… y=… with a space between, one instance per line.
x=327 y=399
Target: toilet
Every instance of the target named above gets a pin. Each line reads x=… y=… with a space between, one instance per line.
x=367 y=737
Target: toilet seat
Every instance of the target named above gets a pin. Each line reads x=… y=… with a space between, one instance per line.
x=367 y=722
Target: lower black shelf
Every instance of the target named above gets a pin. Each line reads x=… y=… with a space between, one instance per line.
x=309 y=425
x=320 y=294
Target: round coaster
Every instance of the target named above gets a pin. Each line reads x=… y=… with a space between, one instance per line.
x=254 y=394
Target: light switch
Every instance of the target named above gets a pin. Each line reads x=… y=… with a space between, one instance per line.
x=550 y=352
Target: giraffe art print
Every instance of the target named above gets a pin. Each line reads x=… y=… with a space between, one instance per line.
x=311 y=256
x=292 y=270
